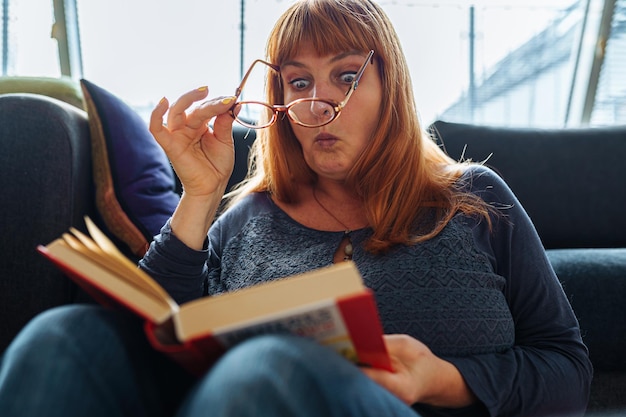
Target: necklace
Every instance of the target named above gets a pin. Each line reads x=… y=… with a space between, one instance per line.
x=347 y=249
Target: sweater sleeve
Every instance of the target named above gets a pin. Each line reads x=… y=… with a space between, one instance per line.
x=182 y=271
x=547 y=372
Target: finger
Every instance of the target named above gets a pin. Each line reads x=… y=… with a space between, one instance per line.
x=156 y=117
x=201 y=115
x=223 y=126
x=177 y=116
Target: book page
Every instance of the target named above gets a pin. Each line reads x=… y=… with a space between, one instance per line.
x=101 y=250
x=104 y=285
x=321 y=321
x=87 y=248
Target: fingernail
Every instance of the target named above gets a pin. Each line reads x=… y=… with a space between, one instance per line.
x=203 y=88
x=217 y=101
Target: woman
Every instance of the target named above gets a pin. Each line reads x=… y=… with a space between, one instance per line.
x=476 y=321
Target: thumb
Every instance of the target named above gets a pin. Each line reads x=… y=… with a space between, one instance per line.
x=223 y=124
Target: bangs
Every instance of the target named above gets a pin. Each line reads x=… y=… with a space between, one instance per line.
x=329 y=29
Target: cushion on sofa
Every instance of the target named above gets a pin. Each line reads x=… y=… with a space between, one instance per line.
x=595 y=282
x=62 y=88
x=135 y=185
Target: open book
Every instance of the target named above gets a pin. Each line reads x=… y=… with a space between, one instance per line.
x=330 y=305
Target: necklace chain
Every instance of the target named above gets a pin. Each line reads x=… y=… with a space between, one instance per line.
x=347 y=249
x=347 y=229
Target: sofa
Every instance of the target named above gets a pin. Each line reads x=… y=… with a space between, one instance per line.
x=62 y=160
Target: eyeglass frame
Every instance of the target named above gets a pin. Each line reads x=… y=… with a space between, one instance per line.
x=278 y=108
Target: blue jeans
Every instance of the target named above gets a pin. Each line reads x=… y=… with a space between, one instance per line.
x=90 y=361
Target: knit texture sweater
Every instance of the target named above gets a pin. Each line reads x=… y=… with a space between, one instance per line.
x=486 y=300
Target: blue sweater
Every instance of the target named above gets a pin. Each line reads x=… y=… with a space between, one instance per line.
x=486 y=300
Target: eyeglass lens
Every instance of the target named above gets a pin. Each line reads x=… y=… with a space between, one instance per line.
x=311 y=112
x=307 y=112
x=252 y=114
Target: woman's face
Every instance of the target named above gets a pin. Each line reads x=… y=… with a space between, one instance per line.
x=332 y=150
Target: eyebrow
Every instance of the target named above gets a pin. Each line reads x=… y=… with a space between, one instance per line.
x=332 y=60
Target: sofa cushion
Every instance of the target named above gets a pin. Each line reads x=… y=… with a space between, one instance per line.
x=595 y=283
x=135 y=185
x=62 y=88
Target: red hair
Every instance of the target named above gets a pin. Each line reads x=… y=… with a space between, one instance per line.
x=420 y=179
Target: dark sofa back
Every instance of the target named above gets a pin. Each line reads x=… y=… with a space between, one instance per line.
x=570 y=181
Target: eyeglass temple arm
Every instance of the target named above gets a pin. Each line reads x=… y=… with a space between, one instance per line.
x=357 y=78
x=245 y=77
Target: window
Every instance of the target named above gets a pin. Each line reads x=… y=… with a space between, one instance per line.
x=610 y=101
x=531 y=63
x=142 y=50
x=493 y=62
x=27 y=46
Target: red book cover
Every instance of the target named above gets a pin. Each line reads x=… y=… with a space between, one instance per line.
x=361 y=317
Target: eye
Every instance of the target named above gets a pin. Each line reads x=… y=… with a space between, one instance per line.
x=347 y=77
x=299 y=83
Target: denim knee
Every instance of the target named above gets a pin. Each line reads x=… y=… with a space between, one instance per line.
x=52 y=327
x=83 y=360
x=281 y=375
x=262 y=358
x=87 y=329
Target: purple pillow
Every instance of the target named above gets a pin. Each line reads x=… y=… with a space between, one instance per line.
x=135 y=185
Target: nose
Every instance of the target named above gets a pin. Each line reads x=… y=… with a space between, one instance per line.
x=320 y=109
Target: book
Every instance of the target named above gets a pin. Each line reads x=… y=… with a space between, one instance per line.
x=330 y=305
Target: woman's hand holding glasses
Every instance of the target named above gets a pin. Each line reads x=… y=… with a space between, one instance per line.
x=202 y=156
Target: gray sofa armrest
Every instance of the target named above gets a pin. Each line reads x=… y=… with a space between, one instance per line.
x=595 y=283
x=45 y=166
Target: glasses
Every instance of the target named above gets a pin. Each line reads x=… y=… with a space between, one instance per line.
x=307 y=112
